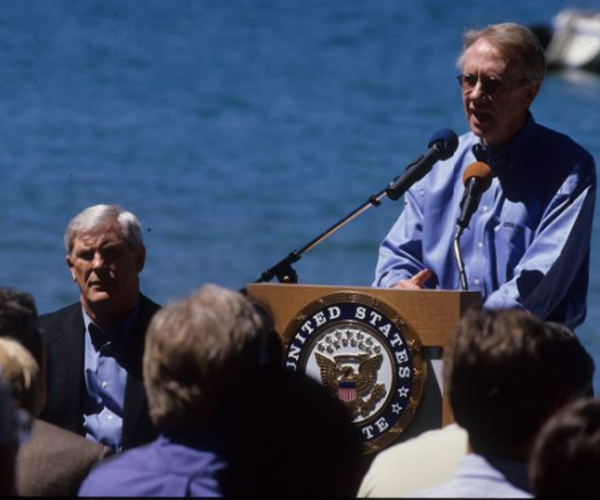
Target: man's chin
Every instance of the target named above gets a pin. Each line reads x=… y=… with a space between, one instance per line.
x=481 y=130
x=98 y=297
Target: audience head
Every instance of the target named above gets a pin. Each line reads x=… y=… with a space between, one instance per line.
x=287 y=436
x=212 y=365
x=566 y=456
x=197 y=351
x=506 y=372
x=18 y=320
x=105 y=254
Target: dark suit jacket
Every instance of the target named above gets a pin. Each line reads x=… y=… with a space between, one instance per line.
x=54 y=461
x=65 y=338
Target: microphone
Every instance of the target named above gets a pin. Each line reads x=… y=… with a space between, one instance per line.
x=442 y=146
x=477 y=179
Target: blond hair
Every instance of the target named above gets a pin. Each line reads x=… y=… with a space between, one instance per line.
x=20 y=372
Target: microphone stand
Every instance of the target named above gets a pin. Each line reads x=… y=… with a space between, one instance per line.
x=442 y=145
x=459 y=259
x=284 y=271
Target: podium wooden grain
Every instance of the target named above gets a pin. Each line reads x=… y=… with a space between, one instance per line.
x=432 y=314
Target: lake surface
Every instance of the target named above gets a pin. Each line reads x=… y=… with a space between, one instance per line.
x=237 y=131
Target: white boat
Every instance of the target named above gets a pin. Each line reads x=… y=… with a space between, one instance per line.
x=575 y=40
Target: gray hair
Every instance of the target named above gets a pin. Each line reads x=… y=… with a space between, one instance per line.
x=515 y=41
x=101 y=216
x=197 y=350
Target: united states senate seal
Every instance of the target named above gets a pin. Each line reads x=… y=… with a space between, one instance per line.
x=365 y=354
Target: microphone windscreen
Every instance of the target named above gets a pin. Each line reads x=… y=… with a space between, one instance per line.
x=446 y=141
x=480 y=171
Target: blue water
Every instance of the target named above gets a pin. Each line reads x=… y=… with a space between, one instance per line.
x=237 y=130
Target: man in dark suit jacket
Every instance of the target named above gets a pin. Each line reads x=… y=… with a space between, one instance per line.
x=95 y=347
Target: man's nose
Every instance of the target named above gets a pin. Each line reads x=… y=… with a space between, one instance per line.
x=477 y=91
x=98 y=261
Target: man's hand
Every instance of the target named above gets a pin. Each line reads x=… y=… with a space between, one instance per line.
x=417 y=282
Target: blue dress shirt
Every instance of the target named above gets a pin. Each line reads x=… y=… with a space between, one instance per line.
x=105 y=380
x=528 y=243
x=166 y=467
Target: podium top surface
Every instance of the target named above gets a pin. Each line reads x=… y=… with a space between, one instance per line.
x=433 y=314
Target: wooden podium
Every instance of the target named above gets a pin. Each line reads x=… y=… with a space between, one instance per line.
x=431 y=315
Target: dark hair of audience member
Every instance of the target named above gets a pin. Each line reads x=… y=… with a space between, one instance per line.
x=287 y=437
x=566 y=456
x=18 y=319
x=507 y=372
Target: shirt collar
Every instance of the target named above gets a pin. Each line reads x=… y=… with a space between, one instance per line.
x=119 y=334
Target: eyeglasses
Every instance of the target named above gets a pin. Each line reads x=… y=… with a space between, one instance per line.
x=489 y=86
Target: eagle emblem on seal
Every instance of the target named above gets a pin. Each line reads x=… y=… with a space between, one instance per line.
x=353 y=378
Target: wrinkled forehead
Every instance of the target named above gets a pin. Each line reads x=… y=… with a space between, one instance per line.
x=484 y=57
x=109 y=233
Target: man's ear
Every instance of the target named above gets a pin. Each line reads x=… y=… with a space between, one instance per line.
x=69 y=262
x=140 y=259
x=532 y=92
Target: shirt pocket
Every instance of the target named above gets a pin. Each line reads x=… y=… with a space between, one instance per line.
x=510 y=242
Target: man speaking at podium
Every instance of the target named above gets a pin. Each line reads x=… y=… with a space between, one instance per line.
x=527 y=221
